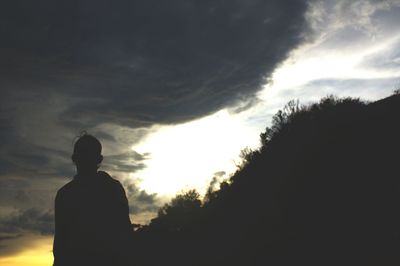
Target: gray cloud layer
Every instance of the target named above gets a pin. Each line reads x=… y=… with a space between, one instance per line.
x=72 y=65
x=33 y=219
x=141 y=62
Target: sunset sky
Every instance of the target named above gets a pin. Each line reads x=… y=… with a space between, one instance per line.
x=173 y=89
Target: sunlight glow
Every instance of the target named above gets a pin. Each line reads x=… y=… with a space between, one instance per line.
x=186 y=156
x=39 y=254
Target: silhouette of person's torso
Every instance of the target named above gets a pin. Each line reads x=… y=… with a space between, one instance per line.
x=92 y=222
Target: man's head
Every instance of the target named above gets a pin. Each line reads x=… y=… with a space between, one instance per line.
x=87 y=153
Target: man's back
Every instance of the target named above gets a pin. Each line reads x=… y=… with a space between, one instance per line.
x=92 y=222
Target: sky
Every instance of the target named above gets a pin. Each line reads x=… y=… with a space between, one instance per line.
x=173 y=89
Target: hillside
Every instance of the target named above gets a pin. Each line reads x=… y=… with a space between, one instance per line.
x=324 y=189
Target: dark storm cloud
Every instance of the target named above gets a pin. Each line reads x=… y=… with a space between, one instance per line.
x=26 y=159
x=141 y=201
x=72 y=65
x=125 y=162
x=33 y=219
x=67 y=66
x=144 y=62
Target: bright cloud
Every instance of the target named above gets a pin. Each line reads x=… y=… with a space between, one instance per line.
x=186 y=156
x=337 y=61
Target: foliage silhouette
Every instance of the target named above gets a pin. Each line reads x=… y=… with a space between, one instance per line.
x=323 y=189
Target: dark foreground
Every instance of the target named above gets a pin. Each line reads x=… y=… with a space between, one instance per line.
x=324 y=189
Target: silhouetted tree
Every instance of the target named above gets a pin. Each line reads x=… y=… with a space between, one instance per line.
x=182 y=209
x=323 y=189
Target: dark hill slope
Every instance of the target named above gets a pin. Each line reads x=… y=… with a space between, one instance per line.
x=324 y=189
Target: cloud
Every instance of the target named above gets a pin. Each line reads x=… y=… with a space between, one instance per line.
x=117 y=69
x=385 y=60
x=145 y=62
x=21 y=157
x=141 y=202
x=127 y=162
x=32 y=220
x=342 y=24
x=365 y=89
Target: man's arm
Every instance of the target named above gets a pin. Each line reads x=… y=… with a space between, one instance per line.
x=60 y=235
x=120 y=203
x=124 y=211
x=125 y=227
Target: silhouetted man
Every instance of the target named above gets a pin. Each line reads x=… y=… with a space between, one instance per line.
x=92 y=225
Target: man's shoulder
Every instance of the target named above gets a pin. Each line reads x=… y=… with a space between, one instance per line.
x=114 y=185
x=74 y=186
x=65 y=190
x=108 y=178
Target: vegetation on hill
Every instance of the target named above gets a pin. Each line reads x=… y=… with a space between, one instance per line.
x=323 y=189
